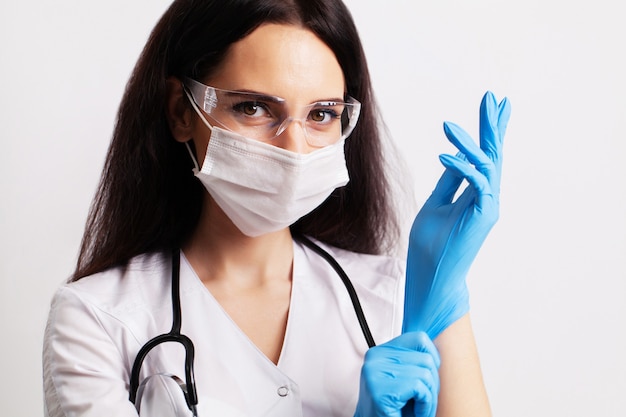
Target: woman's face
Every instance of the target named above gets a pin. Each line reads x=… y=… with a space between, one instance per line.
x=279 y=60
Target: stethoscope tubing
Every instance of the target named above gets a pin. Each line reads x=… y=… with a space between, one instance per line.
x=348 y=284
x=174 y=335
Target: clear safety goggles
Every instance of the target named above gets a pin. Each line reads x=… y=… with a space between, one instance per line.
x=263 y=117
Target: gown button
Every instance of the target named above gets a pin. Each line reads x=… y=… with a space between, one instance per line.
x=283 y=391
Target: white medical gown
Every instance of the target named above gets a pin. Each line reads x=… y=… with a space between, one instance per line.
x=97 y=325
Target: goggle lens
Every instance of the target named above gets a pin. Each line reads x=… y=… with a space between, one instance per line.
x=264 y=117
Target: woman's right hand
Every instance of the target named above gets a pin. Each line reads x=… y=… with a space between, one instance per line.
x=403 y=370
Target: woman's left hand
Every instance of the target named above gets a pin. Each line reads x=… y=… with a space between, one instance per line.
x=447 y=233
x=403 y=370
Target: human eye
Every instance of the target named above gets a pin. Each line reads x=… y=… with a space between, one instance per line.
x=325 y=113
x=252 y=109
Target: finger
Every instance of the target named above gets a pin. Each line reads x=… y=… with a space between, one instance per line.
x=474 y=154
x=416 y=341
x=409 y=364
x=504 y=113
x=463 y=169
x=435 y=394
x=494 y=118
x=394 y=376
x=480 y=193
x=416 y=366
x=490 y=140
x=414 y=384
x=425 y=400
x=428 y=400
x=446 y=188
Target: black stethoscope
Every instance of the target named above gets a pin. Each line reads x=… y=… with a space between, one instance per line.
x=174 y=335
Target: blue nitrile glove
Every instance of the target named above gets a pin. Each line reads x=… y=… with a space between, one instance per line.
x=447 y=234
x=405 y=368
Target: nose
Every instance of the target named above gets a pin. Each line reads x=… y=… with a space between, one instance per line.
x=292 y=137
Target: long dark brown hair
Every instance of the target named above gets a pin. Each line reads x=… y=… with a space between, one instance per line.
x=148 y=198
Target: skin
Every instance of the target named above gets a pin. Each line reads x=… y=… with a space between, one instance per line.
x=251 y=277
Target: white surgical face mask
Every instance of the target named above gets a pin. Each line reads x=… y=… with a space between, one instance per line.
x=263 y=188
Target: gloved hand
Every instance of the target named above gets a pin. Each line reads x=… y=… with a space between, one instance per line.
x=405 y=369
x=447 y=234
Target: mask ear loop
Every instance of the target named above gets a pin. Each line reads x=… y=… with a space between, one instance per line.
x=196 y=168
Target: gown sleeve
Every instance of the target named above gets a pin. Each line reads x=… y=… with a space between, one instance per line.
x=84 y=372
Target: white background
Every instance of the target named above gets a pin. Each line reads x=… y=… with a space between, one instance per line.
x=548 y=289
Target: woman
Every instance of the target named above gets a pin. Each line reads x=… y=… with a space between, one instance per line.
x=237 y=140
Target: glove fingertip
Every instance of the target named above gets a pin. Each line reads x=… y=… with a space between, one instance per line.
x=504 y=113
x=448 y=128
x=452 y=163
x=489 y=97
x=489 y=103
x=444 y=157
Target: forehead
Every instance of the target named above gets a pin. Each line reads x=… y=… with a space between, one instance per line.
x=283 y=60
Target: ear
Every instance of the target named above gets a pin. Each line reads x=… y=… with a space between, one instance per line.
x=178 y=111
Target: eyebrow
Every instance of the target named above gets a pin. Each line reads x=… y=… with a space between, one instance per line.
x=276 y=99
x=330 y=100
x=257 y=95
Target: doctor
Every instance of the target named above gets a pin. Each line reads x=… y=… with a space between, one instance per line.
x=245 y=126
